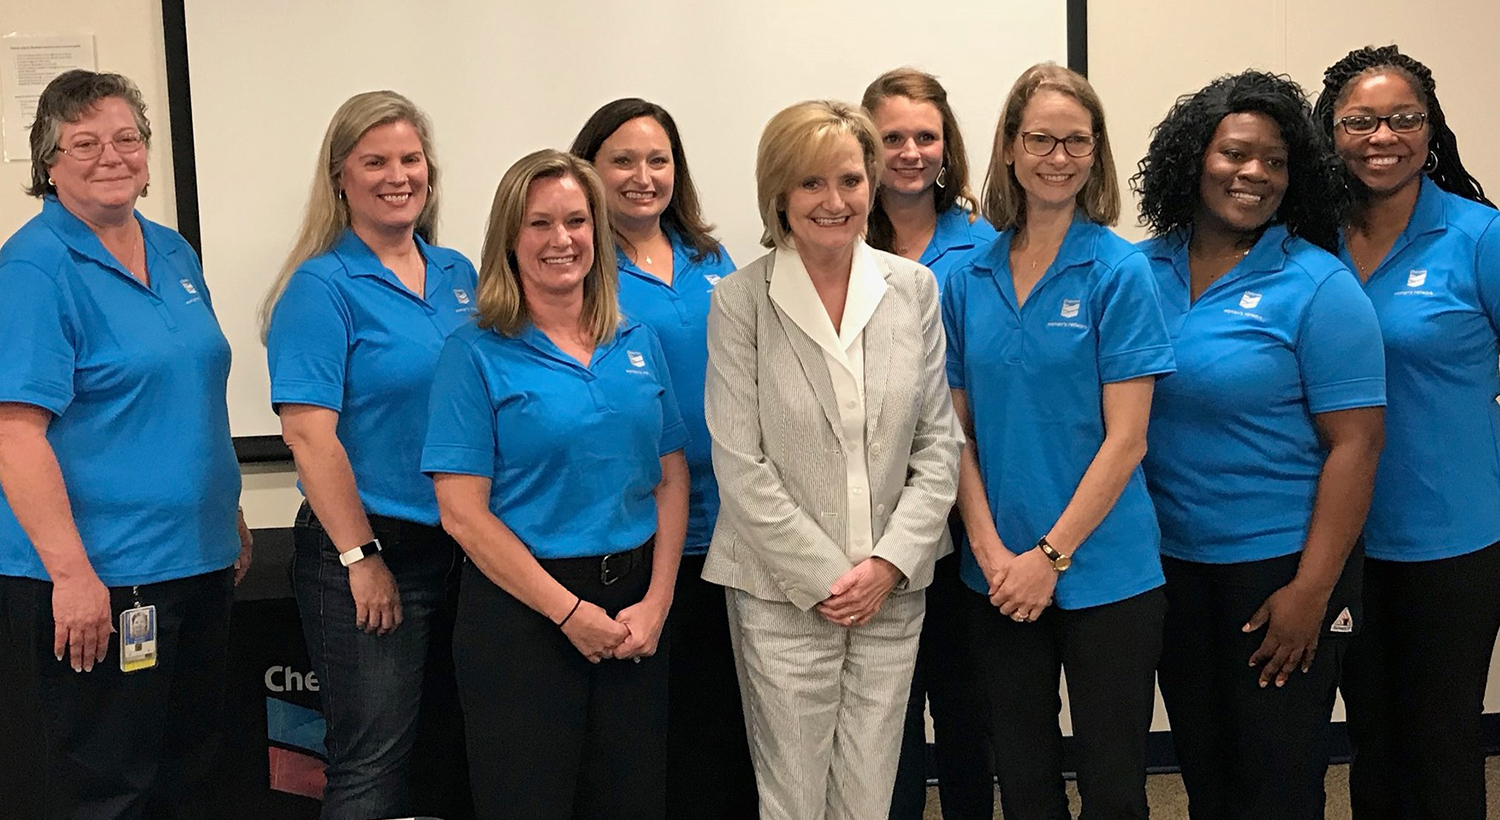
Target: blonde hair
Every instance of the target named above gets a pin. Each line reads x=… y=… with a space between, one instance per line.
x=502 y=299
x=797 y=140
x=326 y=216
x=1004 y=199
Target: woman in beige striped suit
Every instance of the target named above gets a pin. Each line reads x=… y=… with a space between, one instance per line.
x=836 y=452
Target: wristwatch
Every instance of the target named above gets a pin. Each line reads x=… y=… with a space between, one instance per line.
x=1060 y=562
x=360 y=553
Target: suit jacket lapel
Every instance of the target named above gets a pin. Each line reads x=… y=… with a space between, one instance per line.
x=809 y=356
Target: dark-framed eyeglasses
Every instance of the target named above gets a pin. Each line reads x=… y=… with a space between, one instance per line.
x=90 y=148
x=1402 y=123
x=1039 y=144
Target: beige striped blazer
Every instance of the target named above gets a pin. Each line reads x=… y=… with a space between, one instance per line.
x=778 y=451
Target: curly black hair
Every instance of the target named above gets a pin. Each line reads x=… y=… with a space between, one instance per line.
x=1317 y=196
x=1449 y=172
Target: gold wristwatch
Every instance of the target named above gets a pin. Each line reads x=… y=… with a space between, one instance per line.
x=1060 y=562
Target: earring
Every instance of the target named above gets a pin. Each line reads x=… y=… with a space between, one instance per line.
x=429 y=190
x=341 y=194
x=1431 y=164
x=52 y=182
x=942 y=177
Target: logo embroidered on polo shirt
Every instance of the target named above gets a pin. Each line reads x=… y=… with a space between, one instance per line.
x=1416 y=279
x=712 y=279
x=1070 y=308
x=636 y=359
x=461 y=295
x=187 y=285
x=1249 y=300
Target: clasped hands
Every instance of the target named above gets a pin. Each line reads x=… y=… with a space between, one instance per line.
x=857 y=595
x=1020 y=586
x=633 y=633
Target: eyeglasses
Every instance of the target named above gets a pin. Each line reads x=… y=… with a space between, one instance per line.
x=1038 y=144
x=90 y=148
x=1403 y=123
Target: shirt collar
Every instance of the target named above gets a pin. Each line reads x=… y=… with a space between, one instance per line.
x=792 y=290
x=950 y=232
x=1268 y=255
x=359 y=260
x=79 y=237
x=1431 y=212
x=681 y=260
x=1077 y=248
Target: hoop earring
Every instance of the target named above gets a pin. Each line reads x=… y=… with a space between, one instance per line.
x=429 y=190
x=942 y=177
x=341 y=194
x=1431 y=164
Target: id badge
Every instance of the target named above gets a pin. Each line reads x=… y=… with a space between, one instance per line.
x=138 y=638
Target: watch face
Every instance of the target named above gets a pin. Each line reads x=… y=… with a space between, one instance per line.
x=1062 y=563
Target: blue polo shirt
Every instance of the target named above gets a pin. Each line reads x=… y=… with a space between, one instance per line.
x=573 y=452
x=135 y=378
x=954 y=241
x=678 y=313
x=348 y=336
x=1437 y=294
x=1034 y=377
x=1234 y=458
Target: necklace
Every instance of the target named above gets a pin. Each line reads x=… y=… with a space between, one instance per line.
x=918 y=241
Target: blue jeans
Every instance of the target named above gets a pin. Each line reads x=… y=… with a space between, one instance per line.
x=384 y=695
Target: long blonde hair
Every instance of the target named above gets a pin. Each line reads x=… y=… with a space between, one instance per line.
x=502 y=301
x=327 y=216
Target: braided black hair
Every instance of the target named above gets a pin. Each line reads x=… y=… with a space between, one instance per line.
x=1317 y=197
x=1449 y=174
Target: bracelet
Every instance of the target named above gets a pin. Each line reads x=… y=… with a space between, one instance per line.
x=564 y=621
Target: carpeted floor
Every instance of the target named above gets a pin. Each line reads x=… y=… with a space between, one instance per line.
x=1169 y=802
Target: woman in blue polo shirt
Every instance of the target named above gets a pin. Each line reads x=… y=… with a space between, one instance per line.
x=1426 y=243
x=669 y=263
x=555 y=443
x=118 y=473
x=1263 y=445
x=1055 y=342
x=925 y=212
x=354 y=325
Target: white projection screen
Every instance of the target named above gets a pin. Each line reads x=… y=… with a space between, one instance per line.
x=500 y=79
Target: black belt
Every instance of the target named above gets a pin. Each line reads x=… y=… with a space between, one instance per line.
x=607 y=569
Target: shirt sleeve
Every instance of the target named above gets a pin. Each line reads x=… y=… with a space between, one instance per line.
x=1487 y=273
x=307 y=345
x=674 y=435
x=954 y=296
x=1133 y=340
x=38 y=340
x=1339 y=348
x=461 y=433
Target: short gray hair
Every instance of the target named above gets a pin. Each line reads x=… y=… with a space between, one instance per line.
x=65 y=100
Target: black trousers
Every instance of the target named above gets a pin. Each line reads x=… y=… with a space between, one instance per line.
x=1414 y=687
x=945 y=676
x=550 y=735
x=709 y=774
x=1247 y=752
x=126 y=746
x=1110 y=654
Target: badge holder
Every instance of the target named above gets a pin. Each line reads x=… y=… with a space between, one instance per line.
x=137 y=636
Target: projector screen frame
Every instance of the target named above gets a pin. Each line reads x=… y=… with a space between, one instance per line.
x=270 y=448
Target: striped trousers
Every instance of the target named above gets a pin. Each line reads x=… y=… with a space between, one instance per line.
x=824 y=704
